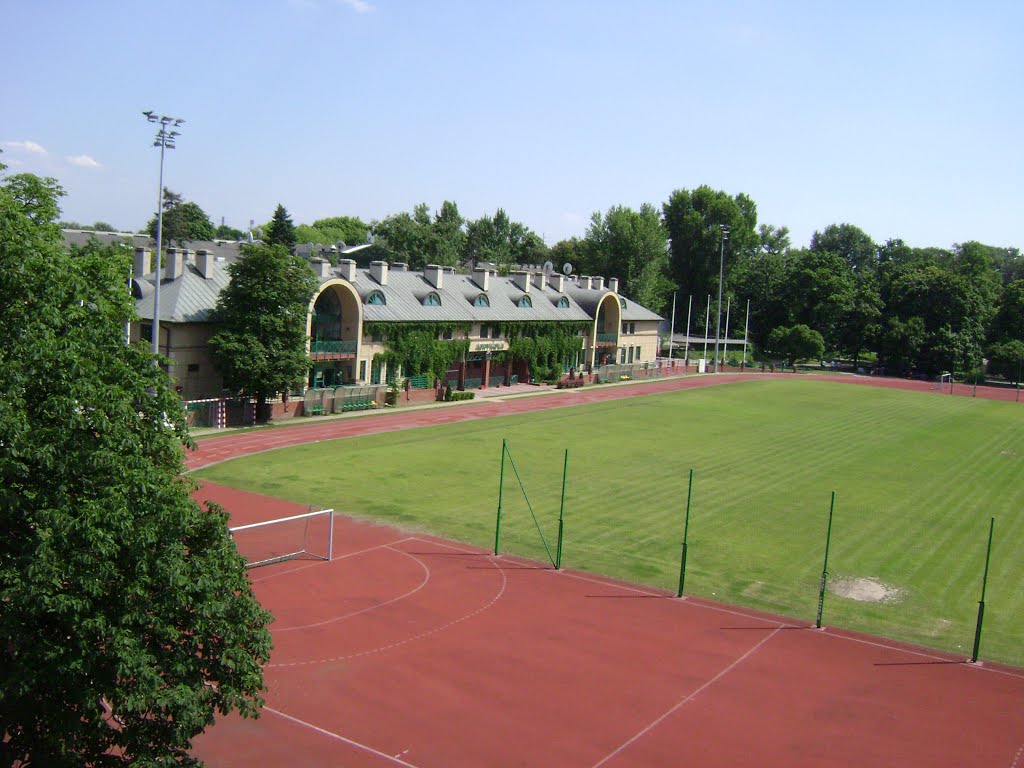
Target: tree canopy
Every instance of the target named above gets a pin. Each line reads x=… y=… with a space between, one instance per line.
x=126 y=615
x=260 y=344
x=182 y=221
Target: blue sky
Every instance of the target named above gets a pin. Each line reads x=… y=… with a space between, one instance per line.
x=904 y=118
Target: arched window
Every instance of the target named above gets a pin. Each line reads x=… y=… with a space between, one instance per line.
x=524 y=302
x=431 y=300
x=563 y=303
x=622 y=302
x=376 y=298
x=482 y=301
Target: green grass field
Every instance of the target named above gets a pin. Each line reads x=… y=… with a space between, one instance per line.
x=917 y=477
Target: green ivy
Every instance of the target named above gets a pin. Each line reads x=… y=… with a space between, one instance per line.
x=416 y=348
x=544 y=345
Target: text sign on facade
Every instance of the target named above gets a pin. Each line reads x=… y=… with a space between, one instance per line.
x=488 y=346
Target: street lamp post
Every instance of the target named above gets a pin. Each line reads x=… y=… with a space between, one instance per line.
x=165 y=140
x=721 y=278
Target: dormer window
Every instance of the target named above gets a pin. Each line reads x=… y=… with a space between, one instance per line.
x=622 y=302
x=524 y=302
x=431 y=300
x=563 y=303
x=376 y=298
x=482 y=301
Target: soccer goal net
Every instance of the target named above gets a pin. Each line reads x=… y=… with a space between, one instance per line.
x=307 y=536
x=944 y=382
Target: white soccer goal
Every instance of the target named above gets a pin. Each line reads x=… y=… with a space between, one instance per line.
x=945 y=382
x=308 y=536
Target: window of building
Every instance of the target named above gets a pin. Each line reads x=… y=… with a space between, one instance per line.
x=625 y=327
x=432 y=300
x=622 y=355
x=622 y=302
x=563 y=303
x=630 y=355
x=638 y=354
x=146 y=332
x=482 y=301
x=484 y=330
x=377 y=298
x=193 y=367
x=632 y=327
x=524 y=302
x=362 y=370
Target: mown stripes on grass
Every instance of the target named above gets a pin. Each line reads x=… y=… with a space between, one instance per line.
x=917 y=478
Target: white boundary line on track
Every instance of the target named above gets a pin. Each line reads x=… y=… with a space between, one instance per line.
x=421 y=585
x=689 y=697
x=331 y=734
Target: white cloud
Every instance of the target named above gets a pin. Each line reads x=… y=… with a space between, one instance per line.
x=25 y=146
x=82 y=161
x=359 y=6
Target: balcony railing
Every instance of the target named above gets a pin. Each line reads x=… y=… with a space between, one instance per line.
x=607 y=337
x=336 y=347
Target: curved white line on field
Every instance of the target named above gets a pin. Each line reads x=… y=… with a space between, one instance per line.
x=412 y=638
x=341 y=617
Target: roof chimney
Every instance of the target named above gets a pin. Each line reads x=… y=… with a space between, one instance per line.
x=142 y=262
x=348 y=269
x=322 y=267
x=541 y=280
x=379 y=272
x=585 y=281
x=204 y=263
x=613 y=284
x=482 y=277
x=522 y=279
x=558 y=283
x=175 y=264
x=599 y=283
x=399 y=266
x=434 y=275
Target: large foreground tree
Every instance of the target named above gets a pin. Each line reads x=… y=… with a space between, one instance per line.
x=260 y=347
x=126 y=617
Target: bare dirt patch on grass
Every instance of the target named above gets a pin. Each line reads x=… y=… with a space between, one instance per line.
x=866 y=590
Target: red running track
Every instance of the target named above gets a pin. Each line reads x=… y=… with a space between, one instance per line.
x=410 y=650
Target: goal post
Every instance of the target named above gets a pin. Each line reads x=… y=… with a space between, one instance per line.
x=945 y=381
x=307 y=536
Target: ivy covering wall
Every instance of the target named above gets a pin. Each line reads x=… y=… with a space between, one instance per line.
x=416 y=347
x=543 y=345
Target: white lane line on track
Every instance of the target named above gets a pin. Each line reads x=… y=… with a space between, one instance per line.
x=648 y=728
x=331 y=734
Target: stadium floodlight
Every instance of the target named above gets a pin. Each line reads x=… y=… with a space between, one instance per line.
x=721 y=277
x=165 y=140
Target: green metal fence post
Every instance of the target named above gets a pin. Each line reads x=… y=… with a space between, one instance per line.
x=561 y=513
x=501 y=488
x=686 y=532
x=981 y=603
x=824 y=568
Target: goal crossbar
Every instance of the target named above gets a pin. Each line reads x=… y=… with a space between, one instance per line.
x=308 y=535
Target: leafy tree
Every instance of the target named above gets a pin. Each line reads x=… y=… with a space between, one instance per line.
x=406 y=237
x=763 y=278
x=102 y=226
x=224 y=232
x=796 y=343
x=900 y=343
x=348 y=229
x=126 y=614
x=850 y=243
x=1007 y=360
x=259 y=346
x=504 y=242
x=820 y=290
x=183 y=221
x=773 y=240
x=448 y=241
x=281 y=230
x=569 y=252
x=1008 y=323
x=633 y=246
x=693 y=220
